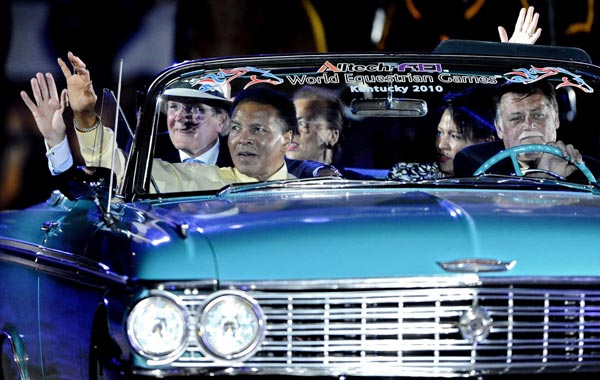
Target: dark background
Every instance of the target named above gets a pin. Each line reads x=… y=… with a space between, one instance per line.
x=148 y=35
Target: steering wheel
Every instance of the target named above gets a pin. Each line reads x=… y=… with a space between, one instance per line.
x=528 y=148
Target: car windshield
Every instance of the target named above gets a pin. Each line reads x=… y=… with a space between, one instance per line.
x=403 y=117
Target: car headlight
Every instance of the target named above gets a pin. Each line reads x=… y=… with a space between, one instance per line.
x=231 y=325
x=157 y=327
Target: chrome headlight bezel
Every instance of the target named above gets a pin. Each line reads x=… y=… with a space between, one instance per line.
x=248 y=310
x=180 y=323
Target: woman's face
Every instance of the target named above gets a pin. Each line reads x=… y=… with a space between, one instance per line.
x=314 y=134
x=449 y=140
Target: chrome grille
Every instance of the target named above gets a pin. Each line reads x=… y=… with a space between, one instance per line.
x=383 y=332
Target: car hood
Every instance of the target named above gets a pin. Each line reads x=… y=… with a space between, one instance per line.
x=369 y=234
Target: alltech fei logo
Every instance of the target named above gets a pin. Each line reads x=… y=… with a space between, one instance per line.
x=381 y=72
x=381 y=67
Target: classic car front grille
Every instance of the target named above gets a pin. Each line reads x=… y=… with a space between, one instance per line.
x=379 y=332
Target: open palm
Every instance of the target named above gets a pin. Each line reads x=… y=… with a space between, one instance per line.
x=48 y=108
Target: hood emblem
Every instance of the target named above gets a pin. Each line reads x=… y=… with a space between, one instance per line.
x=477 y=265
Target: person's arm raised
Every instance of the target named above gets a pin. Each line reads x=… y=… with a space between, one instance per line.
x=526 y=30
x=47 y=111
x=82 y=97
x=48 y=108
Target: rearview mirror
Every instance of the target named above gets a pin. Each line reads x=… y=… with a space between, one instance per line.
x=389 y=107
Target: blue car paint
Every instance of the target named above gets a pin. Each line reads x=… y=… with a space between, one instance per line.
x=401 y=233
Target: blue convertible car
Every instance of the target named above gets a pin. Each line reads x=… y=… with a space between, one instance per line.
x=391 y=268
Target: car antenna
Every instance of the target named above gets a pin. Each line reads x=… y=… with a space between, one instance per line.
x=112 y=162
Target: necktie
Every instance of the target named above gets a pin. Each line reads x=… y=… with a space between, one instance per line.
x=193 y=160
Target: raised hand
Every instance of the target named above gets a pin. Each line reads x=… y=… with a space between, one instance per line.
x=48 y=108
x=526 y=30
x=82 y=97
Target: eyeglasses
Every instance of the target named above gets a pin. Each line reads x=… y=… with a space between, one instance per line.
x=175 y=107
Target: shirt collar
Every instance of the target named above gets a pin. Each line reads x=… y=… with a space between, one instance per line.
x=208 y=157
x=280 y=174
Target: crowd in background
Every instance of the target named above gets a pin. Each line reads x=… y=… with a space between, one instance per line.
x=98 y=31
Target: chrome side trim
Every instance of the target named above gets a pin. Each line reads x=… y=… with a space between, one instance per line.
x=56 y=262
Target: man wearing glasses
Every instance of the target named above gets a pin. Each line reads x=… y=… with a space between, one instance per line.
x=197 y=126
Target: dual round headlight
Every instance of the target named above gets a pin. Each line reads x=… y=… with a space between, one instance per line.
x=157 y=327
x=229 y=326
